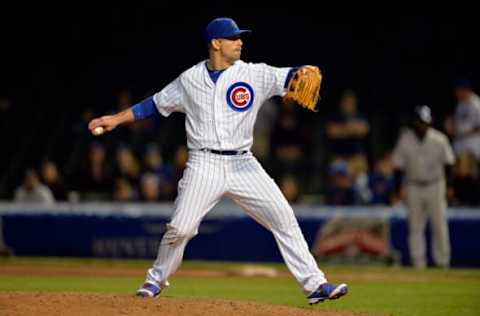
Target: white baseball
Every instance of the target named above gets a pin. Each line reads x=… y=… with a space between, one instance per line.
x=98 y=131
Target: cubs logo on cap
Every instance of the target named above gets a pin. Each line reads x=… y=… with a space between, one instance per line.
x=240 y=96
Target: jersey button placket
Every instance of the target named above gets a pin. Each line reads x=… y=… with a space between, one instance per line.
x=216 y=107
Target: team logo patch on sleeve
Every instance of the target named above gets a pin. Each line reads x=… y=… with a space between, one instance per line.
x=240 y=96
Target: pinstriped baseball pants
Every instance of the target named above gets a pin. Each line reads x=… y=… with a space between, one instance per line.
x=207 y=178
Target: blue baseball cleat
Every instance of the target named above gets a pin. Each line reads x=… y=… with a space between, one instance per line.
x=149 y=290
x=327 y=291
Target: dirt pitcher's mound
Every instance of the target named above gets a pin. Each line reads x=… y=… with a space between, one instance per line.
x=72 y=304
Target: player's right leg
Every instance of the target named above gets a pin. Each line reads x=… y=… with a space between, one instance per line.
x=201 y=187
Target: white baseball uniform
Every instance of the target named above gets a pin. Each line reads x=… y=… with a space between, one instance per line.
x=221 y=116
x=467 y=118
x=423 y=162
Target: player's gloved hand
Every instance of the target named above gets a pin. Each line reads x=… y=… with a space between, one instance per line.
x=304 y=87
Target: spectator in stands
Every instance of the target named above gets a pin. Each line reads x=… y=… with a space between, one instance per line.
x=359 y=173
x=123 y=191
x=381 y=181
x=466 y=181
x=126 y=165
x=150 y=188
x=179 y=162
x=78 y=127
x=154 y=164
x=467 y=120
x=95 y=179
x=347 y=132
x=123 y=101
x=267 y=116
x=51 y=177
x=137 y=134
x=290 y=188
x=33 y=191
x=76 y=145
x=340 y=190
x=288 y=141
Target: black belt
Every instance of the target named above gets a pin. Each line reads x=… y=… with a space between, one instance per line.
x=423 y=183
x=225 y=152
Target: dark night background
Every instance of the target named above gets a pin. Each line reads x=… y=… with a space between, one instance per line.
x=56 y=61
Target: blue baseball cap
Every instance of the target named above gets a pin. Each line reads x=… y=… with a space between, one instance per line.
x=223 y=27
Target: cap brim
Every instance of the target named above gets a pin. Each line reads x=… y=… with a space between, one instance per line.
x=242 y=32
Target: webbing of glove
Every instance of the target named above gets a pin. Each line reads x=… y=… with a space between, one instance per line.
x=304 y=87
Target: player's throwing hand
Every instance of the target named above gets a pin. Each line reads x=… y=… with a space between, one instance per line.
x=109 y=122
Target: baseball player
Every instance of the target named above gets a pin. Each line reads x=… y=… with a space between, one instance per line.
x=221 y=97
x=467 y=120
x=425 y=157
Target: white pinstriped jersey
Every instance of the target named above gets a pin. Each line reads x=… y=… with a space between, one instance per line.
x=221 y=115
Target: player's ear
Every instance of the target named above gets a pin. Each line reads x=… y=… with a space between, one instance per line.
x=215 y=43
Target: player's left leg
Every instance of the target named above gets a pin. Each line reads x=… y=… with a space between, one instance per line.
x=437 y=209
x=256 y=192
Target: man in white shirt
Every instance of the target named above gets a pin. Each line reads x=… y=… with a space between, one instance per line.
x=221 y=97
x=33 y=191
x=425 y=158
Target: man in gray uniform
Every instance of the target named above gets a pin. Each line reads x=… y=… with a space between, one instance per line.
x=423 y=159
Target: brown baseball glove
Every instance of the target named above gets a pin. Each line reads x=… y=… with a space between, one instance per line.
x=304 y=87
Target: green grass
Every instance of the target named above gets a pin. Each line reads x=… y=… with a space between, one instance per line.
x=376 y=290
x=120 y=263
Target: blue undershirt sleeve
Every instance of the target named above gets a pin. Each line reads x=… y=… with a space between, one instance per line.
x=290 y=75
x=145 y=109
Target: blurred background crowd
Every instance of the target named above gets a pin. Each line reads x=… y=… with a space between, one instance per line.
x=64 y=69
x=335 y=158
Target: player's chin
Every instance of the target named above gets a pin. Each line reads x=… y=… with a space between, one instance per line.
x=233 y=60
